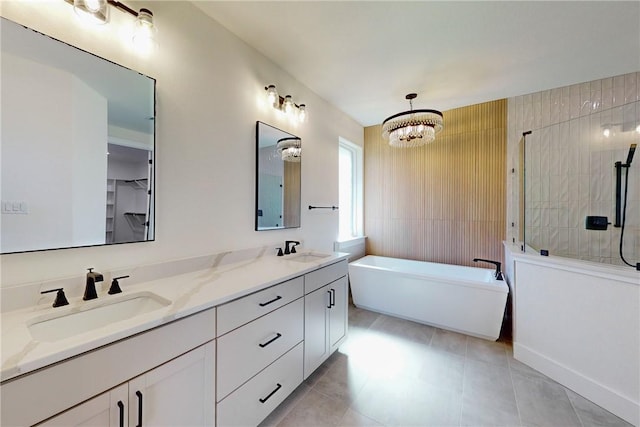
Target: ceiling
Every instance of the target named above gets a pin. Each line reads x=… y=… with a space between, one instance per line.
x=364 y=57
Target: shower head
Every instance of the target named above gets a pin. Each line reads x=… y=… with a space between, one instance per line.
x=632 y=150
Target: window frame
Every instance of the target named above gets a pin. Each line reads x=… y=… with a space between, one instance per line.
x=357 y=174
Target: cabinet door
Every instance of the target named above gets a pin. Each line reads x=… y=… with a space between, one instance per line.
x=316 y=329
x=105 y=410
x=338 y=313
x=178 y=393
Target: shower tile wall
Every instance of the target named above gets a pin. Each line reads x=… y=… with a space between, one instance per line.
x=570 y=167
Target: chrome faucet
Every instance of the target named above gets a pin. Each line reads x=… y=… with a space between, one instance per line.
x=90 y=288
x=498 y=273
x=290 y=250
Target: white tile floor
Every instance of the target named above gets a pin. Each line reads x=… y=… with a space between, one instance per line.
x=392 y=372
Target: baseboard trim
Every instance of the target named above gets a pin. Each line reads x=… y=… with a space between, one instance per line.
x=600 y=394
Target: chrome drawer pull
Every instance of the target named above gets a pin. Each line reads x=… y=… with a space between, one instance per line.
x=264 y=304
x=279 y=386
x=278 y=335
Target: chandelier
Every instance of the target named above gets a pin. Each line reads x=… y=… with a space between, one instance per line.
x=290 y=149
x=412 y=128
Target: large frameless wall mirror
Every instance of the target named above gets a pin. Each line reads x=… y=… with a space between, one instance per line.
x=277 y=178
x=77 y=144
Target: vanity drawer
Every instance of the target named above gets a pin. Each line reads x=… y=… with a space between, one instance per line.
x=256 y=399
x=247 y=350
x=318 y=278
x=244 y=310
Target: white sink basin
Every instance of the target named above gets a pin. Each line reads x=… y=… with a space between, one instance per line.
x=69 y=321
x=308 y=257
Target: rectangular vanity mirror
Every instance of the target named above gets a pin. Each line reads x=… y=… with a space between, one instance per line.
x=77 y=144
x=277 y=179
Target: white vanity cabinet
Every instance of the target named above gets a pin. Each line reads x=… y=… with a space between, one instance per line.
x=325 y=308
x=107 y=409
x=228 y=365
x=260 y=362
x=172 y=366
x=178 y=393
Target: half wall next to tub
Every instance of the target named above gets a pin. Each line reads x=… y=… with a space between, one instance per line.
x=577 y=322
x=462 y=299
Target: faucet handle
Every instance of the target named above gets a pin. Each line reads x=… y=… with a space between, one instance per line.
x=60 y=300
x=115 y=286
x=279 y=251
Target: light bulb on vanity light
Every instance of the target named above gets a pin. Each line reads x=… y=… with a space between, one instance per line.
x=144 y=32
x=302 y=113
x=606 y=132
x=92 y=11
x=287 y=105
x=273 y=99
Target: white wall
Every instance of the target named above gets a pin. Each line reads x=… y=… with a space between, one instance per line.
x=89 y=165
x=210 y=88
x=42 y=143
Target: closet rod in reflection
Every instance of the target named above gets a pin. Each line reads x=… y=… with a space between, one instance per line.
x=333 y=208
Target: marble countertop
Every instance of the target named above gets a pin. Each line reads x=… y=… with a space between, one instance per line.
x=188 y=293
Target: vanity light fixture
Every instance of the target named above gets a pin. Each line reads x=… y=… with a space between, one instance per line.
x=290 y=149
x=97 y=11
x=286 y=104
x=412 y=128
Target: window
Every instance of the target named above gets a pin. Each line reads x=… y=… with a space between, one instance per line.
x=350 y=191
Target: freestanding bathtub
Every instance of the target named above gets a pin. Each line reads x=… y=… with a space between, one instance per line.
x=462 y=299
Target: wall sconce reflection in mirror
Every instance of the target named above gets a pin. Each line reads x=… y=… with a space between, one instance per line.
x=286 y=104
x=97 y=12
x=290 y=149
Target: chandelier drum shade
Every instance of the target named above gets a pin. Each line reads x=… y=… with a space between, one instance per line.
x=290 y=149
x=412 y=128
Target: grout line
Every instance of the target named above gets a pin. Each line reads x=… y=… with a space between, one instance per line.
x=464 y=375
x=515 y=393
x=573 y=407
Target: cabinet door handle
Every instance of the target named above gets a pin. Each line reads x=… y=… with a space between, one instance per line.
x=279 y=386
x=264 y=304
x=121 y=413
x=333 y=297
x=139 y=394
x=329 y=292
x=278 y=335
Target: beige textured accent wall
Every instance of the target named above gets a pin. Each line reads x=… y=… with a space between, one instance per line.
x=444 y=202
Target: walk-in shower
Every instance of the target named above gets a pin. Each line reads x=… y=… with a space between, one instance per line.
x=575 y=203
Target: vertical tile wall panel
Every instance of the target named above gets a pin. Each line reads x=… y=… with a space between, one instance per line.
x=570 y=172
x=444 y=202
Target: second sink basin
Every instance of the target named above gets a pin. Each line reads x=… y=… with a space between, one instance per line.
x=70 y=321
x=308 y=257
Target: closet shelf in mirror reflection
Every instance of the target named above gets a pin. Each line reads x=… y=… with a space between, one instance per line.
x=138 y=183
x=136 y=220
